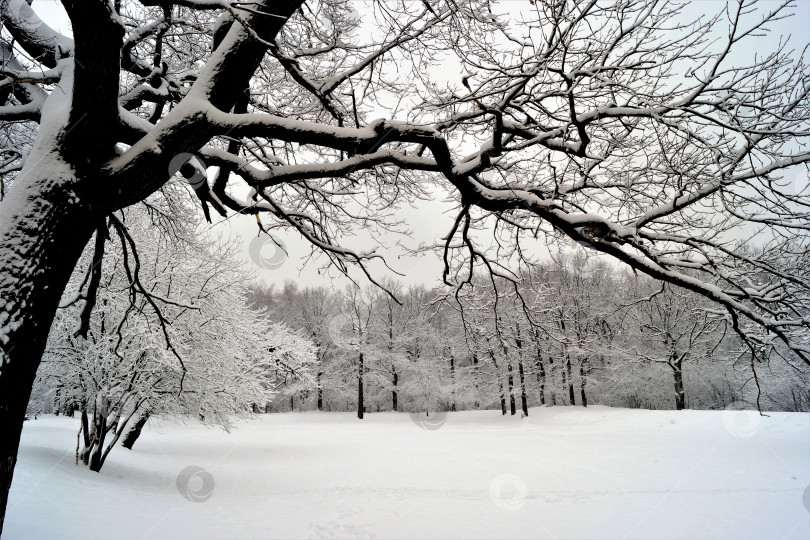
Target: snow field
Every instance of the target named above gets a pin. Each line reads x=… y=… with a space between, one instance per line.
x=560 y=473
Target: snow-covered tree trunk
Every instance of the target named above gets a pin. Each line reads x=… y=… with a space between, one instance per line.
x=135 y=431
x=541 y=377
x=43 y=230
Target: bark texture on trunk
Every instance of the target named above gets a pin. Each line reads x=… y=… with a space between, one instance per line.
x=43 y=230
x=135 y=432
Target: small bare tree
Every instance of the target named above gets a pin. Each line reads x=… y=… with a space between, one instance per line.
x=677 y=326
x=221 y=358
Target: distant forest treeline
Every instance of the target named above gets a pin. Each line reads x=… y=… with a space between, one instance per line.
x=575 y=332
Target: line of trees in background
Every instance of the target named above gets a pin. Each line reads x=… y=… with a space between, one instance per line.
x=576 y=331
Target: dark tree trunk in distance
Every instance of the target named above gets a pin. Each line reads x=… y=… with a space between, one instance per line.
x=570 y=381
x=320 y=391
x=582 y=383
x=500 y=381
x=511 y=377
x=394 y=403
x=452 y=379
x=477 y=404
x=677 y=373
x=524 y=403
x=360 y=387
x=541 y=379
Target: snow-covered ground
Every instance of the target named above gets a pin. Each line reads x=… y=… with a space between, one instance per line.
x=561 y=473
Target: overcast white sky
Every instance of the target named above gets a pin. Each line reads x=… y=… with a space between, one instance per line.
x=430 y=221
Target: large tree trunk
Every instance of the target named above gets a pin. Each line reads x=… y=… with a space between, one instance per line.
x=44 y=227
x=97 y=450
x=85 y=429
